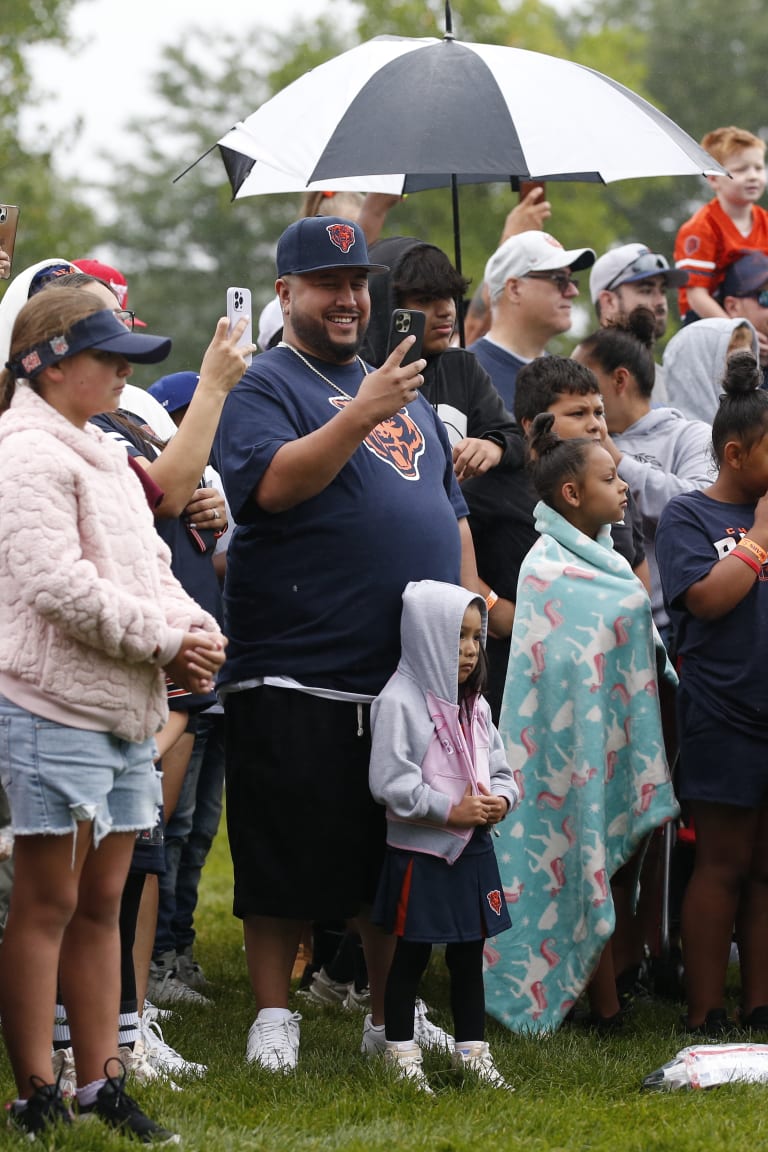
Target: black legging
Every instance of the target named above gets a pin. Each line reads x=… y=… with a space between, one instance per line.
x=465 y=965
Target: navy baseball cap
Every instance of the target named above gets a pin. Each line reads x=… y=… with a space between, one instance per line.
x=175 y=390
x=747 y=274
x=100 y=330
x=317 y=242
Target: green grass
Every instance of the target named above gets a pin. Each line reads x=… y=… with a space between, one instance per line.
x=573 y=1091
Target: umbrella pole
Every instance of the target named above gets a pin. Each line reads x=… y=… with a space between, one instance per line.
x=457 y=252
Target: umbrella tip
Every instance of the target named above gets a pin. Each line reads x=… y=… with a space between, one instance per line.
x=448 y=22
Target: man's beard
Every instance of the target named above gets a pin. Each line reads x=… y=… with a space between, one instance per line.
x=315 y=338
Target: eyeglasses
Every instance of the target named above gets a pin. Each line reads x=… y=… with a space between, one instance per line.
x=125 y=316
x=648 y=264
x=561 y=279
x=761 y=297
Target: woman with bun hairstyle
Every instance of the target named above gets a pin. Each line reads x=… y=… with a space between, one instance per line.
x=712 y=548
x=581 y=725
x=90 y=616
x=659 y=452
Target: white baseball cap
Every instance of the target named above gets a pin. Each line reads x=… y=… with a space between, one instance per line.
x=629 y=263
x=270 y=323
x=533 y=251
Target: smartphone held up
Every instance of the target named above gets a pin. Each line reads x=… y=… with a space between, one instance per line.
x=9 y=223
x=238 y=306
x=406 y=322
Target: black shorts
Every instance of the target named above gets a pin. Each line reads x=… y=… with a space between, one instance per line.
x=306 y=836
x=719 y=764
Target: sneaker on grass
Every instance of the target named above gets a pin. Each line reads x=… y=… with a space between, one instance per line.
x=44 y=1108
x=475 y=1057
x=407 y=1065
x=189 y=971
x=118 y=1110
x=165 y=1060
x=64 y=1071
x=274 y=1044
x=425 y=1034
x=166 y=987
x=325 y=991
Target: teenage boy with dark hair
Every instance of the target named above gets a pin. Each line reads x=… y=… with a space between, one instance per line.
x=482 y=432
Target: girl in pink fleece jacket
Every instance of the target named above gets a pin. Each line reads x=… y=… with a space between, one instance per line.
x=90 y=615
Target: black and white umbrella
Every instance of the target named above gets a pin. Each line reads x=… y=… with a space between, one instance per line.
x=398 y=114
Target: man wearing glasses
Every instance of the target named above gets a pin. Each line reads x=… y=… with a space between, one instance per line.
x=631 y=276
x=531 y=290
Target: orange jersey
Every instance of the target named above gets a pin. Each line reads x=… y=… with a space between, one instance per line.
x=710 y=241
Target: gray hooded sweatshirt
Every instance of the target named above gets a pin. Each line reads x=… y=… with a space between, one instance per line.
x=694 y=364
x=663 y=455
x=422 y=759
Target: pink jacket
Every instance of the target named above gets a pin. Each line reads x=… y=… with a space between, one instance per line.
x=89 y=608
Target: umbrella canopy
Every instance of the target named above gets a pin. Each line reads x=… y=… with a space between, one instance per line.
x=407 y=114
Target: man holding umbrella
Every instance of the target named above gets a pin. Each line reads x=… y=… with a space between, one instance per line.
x=341 y=482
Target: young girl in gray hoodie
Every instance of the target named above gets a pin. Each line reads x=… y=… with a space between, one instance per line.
x=438 y=765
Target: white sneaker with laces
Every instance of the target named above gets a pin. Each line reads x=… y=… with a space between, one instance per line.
x=475 y=1057
x=323 y=990
x=64 y=1067
x=139 y=1068
x=274 y=1044
x=152 y=1012
x=407 y=1063
x=430 y=1035
x=161 y=1057
x=188 y=970
x=374 y=1042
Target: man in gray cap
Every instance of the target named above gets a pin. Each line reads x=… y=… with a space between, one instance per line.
x=631 y=276
x=340 y=479
x=531 y=288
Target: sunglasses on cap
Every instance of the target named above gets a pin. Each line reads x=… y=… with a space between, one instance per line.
x=761 y=296
x=647 y=264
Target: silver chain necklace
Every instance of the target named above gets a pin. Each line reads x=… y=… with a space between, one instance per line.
x=317 y=372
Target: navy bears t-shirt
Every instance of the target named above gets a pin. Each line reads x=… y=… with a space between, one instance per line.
x=722 y=661
x=314 y=593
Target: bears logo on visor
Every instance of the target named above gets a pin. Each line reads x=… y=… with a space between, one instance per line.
x=342 y=235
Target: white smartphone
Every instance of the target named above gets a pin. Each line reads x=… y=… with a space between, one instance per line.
x=239 y=305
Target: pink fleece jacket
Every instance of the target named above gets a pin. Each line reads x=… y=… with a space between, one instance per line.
x=89 y=607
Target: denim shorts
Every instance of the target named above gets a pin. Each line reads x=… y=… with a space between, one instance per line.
x=55 y=776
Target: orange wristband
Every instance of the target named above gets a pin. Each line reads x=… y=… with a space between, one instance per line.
x=750 y=546
x=491 y=599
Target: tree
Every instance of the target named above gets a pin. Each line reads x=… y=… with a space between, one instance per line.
x=54 y=218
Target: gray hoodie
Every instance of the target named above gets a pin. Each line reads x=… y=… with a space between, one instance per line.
x=664 y=454
x=694 y=364
x=422 y=759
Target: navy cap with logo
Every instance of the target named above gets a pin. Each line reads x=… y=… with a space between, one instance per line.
x=175 y=390
x=318 y=242
x=100 y=330
x=746 y=275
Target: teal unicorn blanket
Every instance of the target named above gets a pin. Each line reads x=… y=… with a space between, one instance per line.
x=581 y=724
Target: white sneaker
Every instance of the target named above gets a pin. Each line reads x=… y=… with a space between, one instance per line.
x=64 y=1066
x=274 y=1044
x=407 y=1063
x=374 y=1042
x=427 y=1034
x=165 y=987
x=355 y=1001
x=323 y=990
x=475 y=1057
x=137 y=1065
x=161 y=1057
x=152 y=1012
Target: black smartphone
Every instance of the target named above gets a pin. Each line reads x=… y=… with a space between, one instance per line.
x=406 y=322
x=9 y=222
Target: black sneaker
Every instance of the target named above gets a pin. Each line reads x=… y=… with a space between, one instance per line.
x=43 y=1108
x=115 y=1107
x=716 y=1026
x=757 y=1021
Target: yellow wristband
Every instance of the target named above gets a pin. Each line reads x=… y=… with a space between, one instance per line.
x=748 y=545
x=490 y=600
